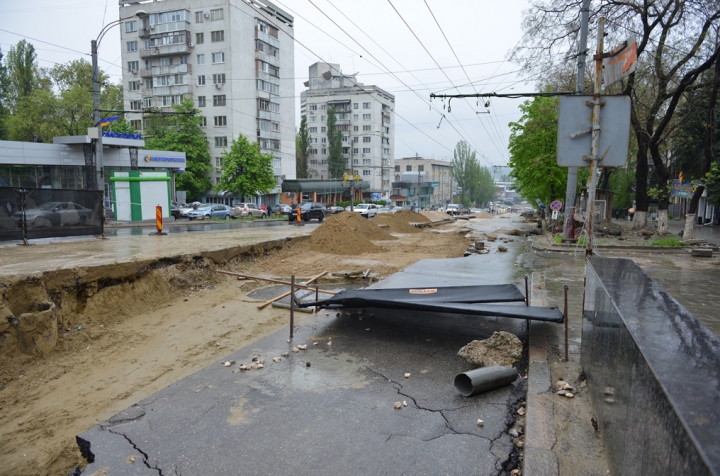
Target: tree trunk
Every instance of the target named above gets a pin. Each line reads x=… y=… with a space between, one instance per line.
x=639 y=220
x=662 y=221
x=689 y=226
x=642 y=201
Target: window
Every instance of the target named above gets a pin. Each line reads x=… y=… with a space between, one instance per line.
x=218 y=162
x=201 y=80
x=355 y=128
x=313 y=107
x=147 y=102
x=271 y=70
x=135 y=105
x=218 y=58
x=356 y=139
x=132 y=45
x=203 y=121
x=346 y=150
x=313 y=151
x=267 y=48
x=219 y=78
x=312 y=129
x=169 y=80
x=323 y=129
x=386 y=151
x=267 y=28
x=166 y=61
x=201 y=101
x=216 y=14
x=272 y=88
x=220 y=121
x=324 y=151
x=136 y=124
x=323 y=140
x=366 y=150
x=265 y=125
x=355 y=117
x=366 y=117
x=313 y=118
x=345 y=138
x=148 y=64
x=133 y=66
x=366 y=172
x=367 y=139
x=408 y=168
x=148 y=84
x=265 y=105
x=397 y=168
x=221 y=141
x=366 y=105
x=313 y=140
x=387 y=130
x=134 y=85
x=217 y=36
x=130 y=26
x=200 y=59
x=421 y=168
x=219 y=100
x=322 y=118
x=322 y=107
x=166 y=101
x=199 y=38
x=355 y=150
x=273 y=144
x=355 y=105
x=198 y=17
x=366 y=128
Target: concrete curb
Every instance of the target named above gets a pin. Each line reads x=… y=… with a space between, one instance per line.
x=539 y=459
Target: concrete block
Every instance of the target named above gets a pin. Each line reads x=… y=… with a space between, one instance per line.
x=702 y=252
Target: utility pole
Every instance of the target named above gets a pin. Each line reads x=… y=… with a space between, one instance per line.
x=582 y=54
x=99 y=180
x=595 y=144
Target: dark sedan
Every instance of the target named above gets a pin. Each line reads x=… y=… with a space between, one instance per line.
x=51 y=214
x=309 y=211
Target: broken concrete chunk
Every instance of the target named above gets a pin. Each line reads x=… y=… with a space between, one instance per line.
x=569 y=395
x=302 y=347
x=521 y=411
x=502 y=249
x=398 y=405
x=480 y=422
x=702 y=252
x=513 y=432
x=276 y=359
x=502 y=348
x=407 y=374
x=295 y=349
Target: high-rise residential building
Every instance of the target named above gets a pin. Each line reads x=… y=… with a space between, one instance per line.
x=233 y=58
x=365 y=115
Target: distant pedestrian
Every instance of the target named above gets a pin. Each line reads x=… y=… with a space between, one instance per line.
x=269 y=210
x=631 y=214
x=262 y=207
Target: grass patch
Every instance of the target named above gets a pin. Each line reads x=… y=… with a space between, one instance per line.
x=557 y=239
x=581 y=240
x=669 y=241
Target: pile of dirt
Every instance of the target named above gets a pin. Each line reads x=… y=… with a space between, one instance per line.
x=435 y=216
x=482 y=215
x=399 y=222
x=348 y=234
x=502 y=348
x=412 y=217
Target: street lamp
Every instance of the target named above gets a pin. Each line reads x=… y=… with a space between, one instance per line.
x=94 y=44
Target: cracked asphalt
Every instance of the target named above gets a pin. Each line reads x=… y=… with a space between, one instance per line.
x=330 y=409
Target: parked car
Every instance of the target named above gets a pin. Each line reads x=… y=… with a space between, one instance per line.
x=367 y=210
x=285 y=209
x=51 y=214
x=185 y=209
x=243 y=210
x=383 y=210
x=309 y=211
x=175 y=211
x=210 y=210
x=334 y=210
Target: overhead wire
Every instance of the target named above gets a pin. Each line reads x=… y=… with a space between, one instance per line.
x=446 y=75
x=467 y=76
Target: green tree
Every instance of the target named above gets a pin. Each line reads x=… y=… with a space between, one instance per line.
x=4 y=82
x=22 y=72
x=533 y=150
x=466 y=171
x=302 y=150
x=181 y=132
x=246 y=170
x=486 y=189
x=336 y=161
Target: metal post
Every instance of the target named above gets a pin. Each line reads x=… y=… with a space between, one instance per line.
x=527 y=321
x=594 y=145
x=292 y=304
x=317 y=294
x=99 y=181
x=565 y=318
x=527 y=295
x=582 y=54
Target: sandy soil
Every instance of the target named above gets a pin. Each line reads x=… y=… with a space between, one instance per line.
x=159 y=331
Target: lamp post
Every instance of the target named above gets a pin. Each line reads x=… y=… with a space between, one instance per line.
x=94 y=44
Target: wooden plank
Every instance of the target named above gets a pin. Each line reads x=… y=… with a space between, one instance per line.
x=267 y=303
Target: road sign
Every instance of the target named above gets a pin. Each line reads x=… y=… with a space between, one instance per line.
x=621 y=64
x=554 y=214
x=556 y=205
x=575 y=126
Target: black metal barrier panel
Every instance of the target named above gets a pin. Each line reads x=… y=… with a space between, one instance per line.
x=31 y=213
x=653 y=371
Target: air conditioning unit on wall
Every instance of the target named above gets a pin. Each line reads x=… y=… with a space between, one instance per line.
x=206 y=14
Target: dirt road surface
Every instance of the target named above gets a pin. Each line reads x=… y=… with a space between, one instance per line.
x=133 y=337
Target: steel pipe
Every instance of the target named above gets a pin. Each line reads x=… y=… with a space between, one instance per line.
x=481 y=380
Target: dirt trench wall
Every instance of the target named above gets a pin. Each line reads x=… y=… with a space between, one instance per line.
x=35 y=310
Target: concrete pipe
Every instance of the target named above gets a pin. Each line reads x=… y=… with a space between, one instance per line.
x=484 y=379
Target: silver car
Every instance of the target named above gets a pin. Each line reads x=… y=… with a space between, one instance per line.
x=210 y=210
x=247 y=209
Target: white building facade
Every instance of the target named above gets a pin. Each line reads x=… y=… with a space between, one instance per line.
x=232 y=58
x=365 y=115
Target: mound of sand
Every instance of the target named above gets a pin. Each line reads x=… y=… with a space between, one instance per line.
x=435 y=216
x=482 y=215
x=348 y=234
x=411 y=217
x=399 y=222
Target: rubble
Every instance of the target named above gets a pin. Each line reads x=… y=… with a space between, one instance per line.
x=502 y=348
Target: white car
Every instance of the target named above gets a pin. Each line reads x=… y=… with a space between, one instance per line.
x=367 y=210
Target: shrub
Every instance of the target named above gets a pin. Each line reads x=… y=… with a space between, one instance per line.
x=669 y=241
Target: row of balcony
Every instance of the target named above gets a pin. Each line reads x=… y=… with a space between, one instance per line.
x=164 y=70
x=165 y=50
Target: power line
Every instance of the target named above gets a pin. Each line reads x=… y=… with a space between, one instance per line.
x=46 y=42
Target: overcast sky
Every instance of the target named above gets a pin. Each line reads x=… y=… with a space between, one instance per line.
x=481 y=32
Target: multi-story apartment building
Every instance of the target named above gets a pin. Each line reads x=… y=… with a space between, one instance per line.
x=418 y=170
x=365 y=115
x=233 y=58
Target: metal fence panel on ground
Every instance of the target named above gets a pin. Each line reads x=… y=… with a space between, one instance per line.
x=31 y=213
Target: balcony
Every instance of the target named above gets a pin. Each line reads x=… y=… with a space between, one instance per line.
x=164 y=70
x=170 y=90
x=265 y=134
x=165 y=50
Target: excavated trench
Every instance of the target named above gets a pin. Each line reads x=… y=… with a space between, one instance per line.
x=35 y=310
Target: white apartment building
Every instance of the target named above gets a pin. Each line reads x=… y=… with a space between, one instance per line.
x=233 y=58
x=365 y=114
x=418 y=170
